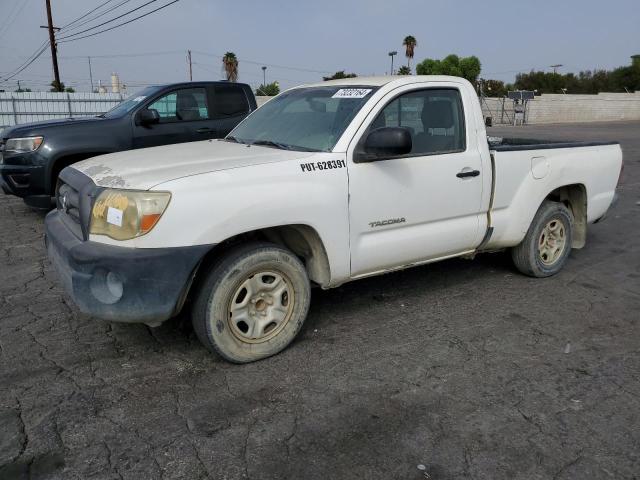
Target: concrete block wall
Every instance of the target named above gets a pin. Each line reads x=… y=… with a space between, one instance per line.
x=561 y=108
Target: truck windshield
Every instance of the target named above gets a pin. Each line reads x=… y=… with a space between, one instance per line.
x=129 y=104
x=306 y=119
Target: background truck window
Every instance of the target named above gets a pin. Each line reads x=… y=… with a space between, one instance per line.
x=185 y=105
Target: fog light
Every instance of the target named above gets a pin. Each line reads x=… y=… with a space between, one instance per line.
x=114 y=285
x=106 y=286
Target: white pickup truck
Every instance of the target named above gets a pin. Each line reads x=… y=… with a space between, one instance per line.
x=324 y=184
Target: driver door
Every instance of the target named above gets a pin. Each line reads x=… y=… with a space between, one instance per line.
x=417 y=207
x=184 y=117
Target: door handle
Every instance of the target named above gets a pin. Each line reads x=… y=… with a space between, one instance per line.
x=204 y=130
x=468 y=173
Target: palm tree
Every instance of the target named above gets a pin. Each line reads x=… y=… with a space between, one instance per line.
x=230 y=65
x=410 y=43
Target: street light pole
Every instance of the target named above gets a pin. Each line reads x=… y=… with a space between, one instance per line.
x=392 y=54
x=264 y=76
x=556 y=67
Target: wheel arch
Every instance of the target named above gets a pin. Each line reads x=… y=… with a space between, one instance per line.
x=303 y=240
x=575 y=198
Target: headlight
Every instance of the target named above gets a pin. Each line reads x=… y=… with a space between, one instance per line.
x=126 y=214
x=21 y=145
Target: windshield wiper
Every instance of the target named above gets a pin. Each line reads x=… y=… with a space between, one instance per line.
x=100 y=116
x=231 y=138
x=270 y=143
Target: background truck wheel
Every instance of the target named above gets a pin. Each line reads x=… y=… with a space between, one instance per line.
x=252 y=303
x=545 y=248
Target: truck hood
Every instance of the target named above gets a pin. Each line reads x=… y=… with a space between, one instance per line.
x=144 y=168
x=36 y=128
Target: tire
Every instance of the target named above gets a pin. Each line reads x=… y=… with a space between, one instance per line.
x=547 y=244
x=252 y=303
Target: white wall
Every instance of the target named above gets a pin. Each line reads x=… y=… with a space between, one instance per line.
x=560 y=108
x=25 y=107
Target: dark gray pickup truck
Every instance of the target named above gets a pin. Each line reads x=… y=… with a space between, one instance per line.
x=32 y=155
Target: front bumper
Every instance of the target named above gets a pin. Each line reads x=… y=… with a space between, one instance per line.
x=25 y=181
x=132 y=285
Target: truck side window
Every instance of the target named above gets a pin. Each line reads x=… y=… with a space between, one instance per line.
x=230 y=100
x=186 y=105
x=433 y=116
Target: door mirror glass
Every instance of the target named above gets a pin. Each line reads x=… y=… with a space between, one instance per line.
x=386 y=142
x=148 y=116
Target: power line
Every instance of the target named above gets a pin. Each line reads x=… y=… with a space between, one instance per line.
x=299 y=69
x=109 y=21
x=37 y=52
x=86 y=14
x=120 y=24
x=33 y=58
x=10 y=20
x=122 y=55
x=95 y=17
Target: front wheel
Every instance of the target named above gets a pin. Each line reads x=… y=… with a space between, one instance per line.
x=547 y=244
x=252 y=303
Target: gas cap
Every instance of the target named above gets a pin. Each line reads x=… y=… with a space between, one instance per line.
x=539 y=167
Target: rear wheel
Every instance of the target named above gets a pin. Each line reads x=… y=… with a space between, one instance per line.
x=252 y=303
x=546 y=247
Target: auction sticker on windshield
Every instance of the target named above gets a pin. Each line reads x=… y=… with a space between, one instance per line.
x=352 y=93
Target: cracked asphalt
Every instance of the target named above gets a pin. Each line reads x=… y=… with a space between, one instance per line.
x=464 y=367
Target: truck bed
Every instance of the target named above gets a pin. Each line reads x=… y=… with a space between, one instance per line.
x=526 y=171
x=506 y=144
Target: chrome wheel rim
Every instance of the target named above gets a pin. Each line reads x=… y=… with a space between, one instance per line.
x=552 y=242
x=261 y=306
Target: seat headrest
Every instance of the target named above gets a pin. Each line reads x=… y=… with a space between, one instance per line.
x=186 y=101
x=437 y=114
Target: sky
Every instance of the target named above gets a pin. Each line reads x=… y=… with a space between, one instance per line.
x=300 y=41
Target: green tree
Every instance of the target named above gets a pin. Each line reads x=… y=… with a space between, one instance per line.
x=494 y=88
x=57 y=87
x=230 y=65
x=404 y=70
x=269 y=90
x=409 y=43
x=466 y=67
x=339 y=75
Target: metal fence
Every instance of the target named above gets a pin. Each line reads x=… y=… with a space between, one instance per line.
x=25 y=107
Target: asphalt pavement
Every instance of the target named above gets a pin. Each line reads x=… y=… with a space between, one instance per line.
x=457 y=370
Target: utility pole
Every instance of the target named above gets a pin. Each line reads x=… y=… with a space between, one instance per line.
x=90 y=74
x=264 y=76
x=54 y=48
x=190 y=67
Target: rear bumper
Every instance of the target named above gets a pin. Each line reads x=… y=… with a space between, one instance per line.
x=614 y=202
x=121 y=284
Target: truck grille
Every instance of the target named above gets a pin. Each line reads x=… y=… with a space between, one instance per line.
x=69 y=201
x=74 y=194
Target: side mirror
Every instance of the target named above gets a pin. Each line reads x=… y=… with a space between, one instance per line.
x=488 y=122
x=384 y=143
x=148 y=116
